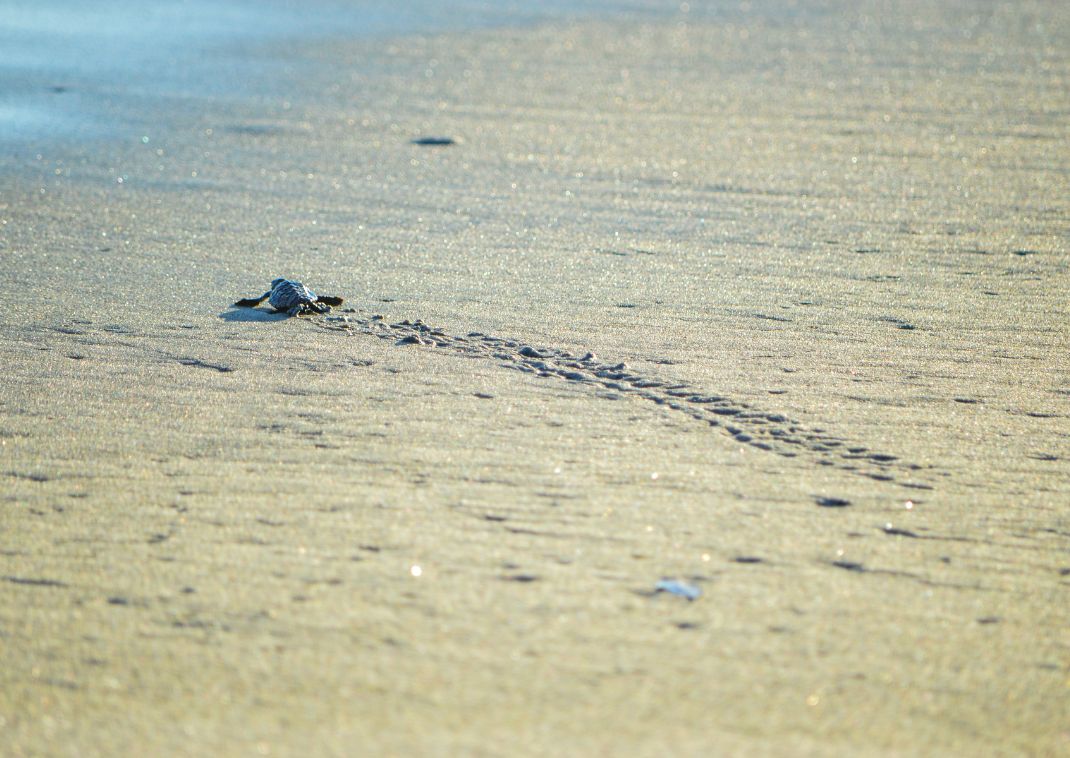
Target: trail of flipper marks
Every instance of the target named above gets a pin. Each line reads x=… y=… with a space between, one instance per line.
x=746 y=424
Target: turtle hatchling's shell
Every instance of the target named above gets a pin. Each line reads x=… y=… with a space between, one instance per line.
x=287 y=294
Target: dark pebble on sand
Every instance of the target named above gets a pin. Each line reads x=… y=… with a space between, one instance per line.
x=412 y=339
x=434 y=141
x=832 y=502
x=523 y=578
x=530 y=352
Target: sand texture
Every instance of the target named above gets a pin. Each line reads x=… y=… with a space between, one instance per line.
x=770 y=301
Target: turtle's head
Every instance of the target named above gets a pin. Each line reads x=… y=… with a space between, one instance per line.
x=276 y=282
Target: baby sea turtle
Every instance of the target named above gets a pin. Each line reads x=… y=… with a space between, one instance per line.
x=292 y=297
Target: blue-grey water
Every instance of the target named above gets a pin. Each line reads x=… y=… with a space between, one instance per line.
x=70 y=68
x=61 y=61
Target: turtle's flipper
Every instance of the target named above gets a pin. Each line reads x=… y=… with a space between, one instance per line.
x=334 y=302
x=252 y=302
x=303 y=309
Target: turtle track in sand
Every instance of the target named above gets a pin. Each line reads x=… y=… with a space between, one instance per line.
x=743 y=422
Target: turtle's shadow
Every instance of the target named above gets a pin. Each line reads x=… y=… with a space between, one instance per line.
x=251 y=314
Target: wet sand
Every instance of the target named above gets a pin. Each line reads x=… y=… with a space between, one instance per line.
x=829 y=249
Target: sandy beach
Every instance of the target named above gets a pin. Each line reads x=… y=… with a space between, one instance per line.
x=770 y=301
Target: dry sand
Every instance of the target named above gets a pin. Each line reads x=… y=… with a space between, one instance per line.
x=850 y=228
